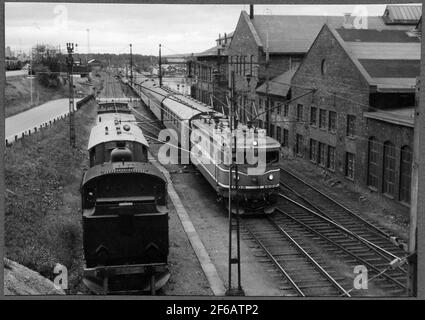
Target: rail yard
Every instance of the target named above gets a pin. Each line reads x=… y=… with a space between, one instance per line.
x=217 y=173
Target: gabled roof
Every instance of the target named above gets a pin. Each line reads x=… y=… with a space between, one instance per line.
x=286 y=34
x=402 y=14
x=280 y=85
x=388 y=60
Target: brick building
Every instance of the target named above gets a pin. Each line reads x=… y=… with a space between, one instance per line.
x=209 y=73
x=283 y=41
x=354 y=72
x=390 y=152
x=276 y=94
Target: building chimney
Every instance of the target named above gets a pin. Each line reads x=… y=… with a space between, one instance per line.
x=251 y=11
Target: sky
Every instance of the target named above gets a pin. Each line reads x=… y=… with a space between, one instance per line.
x=112 y=27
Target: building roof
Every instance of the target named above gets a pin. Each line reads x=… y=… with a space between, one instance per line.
x=404 y=117
x=388 y=59
x=278 y=86
x=93 y=61
x=213 y=51
x=209 y=52
x=287 y=34
x=402 y=14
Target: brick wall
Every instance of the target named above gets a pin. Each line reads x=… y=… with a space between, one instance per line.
x=400 y=136
x=340 y=79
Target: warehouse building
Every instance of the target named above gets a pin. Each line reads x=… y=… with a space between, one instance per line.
x=353 y=85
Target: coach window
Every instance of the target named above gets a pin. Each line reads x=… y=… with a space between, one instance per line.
x=405 y=173
x=389 y=168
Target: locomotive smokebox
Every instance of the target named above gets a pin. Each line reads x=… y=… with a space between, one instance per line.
x=121 y=154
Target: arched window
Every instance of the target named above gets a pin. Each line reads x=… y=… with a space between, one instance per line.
x=389 y=168
x=405 y=173
x=372 y=163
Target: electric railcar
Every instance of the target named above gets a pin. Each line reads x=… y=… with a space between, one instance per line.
x=124 y=213
x=257 y=191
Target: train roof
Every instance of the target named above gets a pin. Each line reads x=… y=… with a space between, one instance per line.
x=207 y=124
x=114 y=131
x=183 y=106
x=108 y=168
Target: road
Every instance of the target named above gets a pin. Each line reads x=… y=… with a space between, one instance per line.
x=15 y=73
x=35 y=117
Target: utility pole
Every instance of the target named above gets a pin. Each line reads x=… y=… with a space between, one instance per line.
x=88 y=45
x=416 y=202
x=267 y=86
x=131 y=64
x=160 y=67
x=233 y=166
x=70 y=62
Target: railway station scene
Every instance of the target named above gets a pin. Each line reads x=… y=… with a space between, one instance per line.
x=210 y=150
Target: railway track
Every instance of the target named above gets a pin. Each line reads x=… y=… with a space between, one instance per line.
x=303 y=274
x=326 y=224
x=299 y=190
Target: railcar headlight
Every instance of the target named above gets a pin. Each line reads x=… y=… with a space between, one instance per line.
x=270 y=177
x=255 y=143
x=234 y=177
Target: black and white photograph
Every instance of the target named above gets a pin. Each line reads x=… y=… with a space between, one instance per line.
x=213 y=150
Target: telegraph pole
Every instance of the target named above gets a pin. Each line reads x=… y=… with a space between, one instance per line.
x=70 y=62
x=131 y=64
x=160 y=67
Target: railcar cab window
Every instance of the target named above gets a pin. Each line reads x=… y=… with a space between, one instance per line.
x=272 y=156
x=102 y=152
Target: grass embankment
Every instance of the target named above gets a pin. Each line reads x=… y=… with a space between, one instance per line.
x=43 y=219
x=18 y=93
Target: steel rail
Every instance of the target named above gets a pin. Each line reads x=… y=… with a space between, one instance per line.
x=350 y=212
x=276 y=263
x=341 y=247
x=338 y=204
x=320 y=212
x=323 y=216
x=311 y=259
